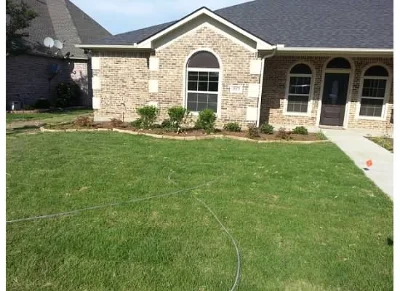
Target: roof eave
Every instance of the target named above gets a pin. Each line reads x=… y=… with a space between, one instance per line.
x=328 y=50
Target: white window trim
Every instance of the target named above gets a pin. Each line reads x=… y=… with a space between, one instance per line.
x=385 y=98
x=220 y=79
x=286 y=101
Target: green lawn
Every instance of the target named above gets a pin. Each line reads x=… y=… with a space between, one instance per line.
x=304 y=217
x=47 y=117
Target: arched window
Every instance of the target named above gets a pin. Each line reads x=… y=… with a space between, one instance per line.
x=299 y=88
x=338 y=63
x=374 y=90
x=202 y=82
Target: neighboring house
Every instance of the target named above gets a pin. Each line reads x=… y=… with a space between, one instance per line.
x=35 y=74
x=284 y=62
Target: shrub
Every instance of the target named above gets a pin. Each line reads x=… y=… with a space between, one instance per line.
x=300 y=130
x=83 y=121
x=206 y=120
x=136 y=123
x=115 y=122
x=283 y=134
x=321 y=136
x=148 y=115
x=42 y=103
x=267 y=128
x=252 y=131
x=177 y=115
x=166 y=123
x=232 y=126
x=67 y=94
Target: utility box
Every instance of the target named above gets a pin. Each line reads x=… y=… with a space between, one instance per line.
x=15 y=105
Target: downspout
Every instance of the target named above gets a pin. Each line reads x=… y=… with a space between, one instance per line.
x=275 y=47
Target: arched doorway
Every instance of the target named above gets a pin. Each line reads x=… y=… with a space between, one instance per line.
x=334 y=96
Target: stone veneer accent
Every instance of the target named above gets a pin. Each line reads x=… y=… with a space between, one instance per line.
x=125 y=76
x=274 y=90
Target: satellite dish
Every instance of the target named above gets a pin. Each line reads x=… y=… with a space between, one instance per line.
x=48 y=42
x=58 y=44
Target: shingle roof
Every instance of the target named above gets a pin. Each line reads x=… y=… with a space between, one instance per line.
x=62 y=20
x=301 y=23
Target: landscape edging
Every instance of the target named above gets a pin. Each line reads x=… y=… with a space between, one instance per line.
x=160 y=136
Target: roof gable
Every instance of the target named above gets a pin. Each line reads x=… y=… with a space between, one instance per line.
x=62 y=20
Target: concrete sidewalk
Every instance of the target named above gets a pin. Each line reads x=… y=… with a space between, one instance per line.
x=361 y=149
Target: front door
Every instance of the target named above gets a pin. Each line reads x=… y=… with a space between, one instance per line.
x=334 y=99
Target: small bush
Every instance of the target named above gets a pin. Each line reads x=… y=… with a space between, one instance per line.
x=300 y=130
x=115 y=122
x=148 y=115
x=83 y=121
x=321 y=136
x=42 y=103
x=252 y=131
x=177 y=115
x=232 y=126
x=67 y=94
x=136 y=123
x=267 y=128
x=283 y=134
x=206 y=120
x=166 y=124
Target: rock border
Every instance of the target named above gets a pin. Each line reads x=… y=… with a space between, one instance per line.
x=160 y=136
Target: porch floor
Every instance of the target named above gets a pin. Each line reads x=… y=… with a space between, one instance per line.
x=360 y=149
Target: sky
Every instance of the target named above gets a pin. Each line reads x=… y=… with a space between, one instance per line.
x=119 y=16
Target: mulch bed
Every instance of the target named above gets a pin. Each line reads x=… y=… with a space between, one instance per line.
x=189 y=132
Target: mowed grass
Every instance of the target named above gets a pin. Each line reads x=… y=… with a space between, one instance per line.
x=48 y=117
x=304 y=217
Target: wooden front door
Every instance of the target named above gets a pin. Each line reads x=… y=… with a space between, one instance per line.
x=334 y=99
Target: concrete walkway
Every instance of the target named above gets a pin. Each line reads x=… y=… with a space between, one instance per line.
x=361 y=149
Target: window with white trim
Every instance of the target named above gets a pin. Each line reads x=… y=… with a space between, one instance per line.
x=373 y=92
x=202 y=82
x=299 y=89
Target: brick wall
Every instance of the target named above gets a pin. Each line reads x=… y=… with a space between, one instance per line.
x=27 y=78
x=274 y=91
x=124 y=77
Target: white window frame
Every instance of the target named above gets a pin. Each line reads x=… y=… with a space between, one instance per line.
x=186 y=79
x=385 y=98
x=287 y=93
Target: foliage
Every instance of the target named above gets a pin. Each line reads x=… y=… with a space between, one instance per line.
x=177 y=115
x=283 y=134
x=253 y=131
x=206 y=120
x=18 y=17
x=321 y=136
x=300 y=130
x=383 y=141
x=67 y=94
x=115 y=122
x=267 y=128
x=233 y=127
x=166 y=124
x=42 y=103
x=137 y=123
x=148 y=115
x=83 y=121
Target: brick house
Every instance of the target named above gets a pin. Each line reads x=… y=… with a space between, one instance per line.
x=287 y=63
x=35 y=74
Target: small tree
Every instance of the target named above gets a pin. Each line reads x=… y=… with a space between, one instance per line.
x=18 y=17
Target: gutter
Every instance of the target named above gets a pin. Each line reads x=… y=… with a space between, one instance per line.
x=335 y=50
x=274 y=48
